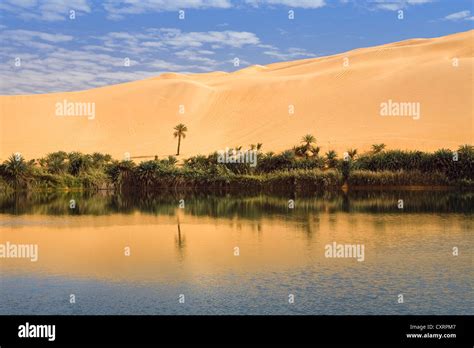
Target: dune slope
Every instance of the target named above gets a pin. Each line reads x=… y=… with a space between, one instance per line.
x=337 y=100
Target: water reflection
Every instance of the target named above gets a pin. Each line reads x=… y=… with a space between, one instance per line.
x=180 y=242
x=191 y=251
x=230 y=205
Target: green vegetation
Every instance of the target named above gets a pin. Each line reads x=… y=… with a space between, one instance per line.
x=56 y=170
x=300 y=169
x=454 y=165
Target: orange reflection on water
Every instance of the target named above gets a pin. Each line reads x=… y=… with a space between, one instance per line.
x=173 y=248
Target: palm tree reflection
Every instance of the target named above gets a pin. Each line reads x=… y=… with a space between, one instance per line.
x=180 y=241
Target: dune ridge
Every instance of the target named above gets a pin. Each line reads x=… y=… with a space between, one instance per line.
x=338 y=103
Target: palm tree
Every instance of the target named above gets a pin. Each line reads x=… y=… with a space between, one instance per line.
x=16 y=170
x=180 y=132
x=307 y=140
x=466 y=158
x=257 y=147
x=79 y=162
x=307 y=149
x=377 y=148
x=146 y=172
x=122 y=172
x=352 y=153
x=55 y=162
x=466 y=148
x=99 y=160
x=331 y=158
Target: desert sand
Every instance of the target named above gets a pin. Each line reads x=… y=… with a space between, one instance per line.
x=337 y=100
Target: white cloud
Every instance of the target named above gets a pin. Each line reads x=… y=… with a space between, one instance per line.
x=291 y=3
x=48 y=10
x=461 y=15
x=28 y=35
x=393 y=5
x=58 y=10
x=198 y=56
x=64 y=70
x=290 y=54
x=222 y=38
x=53 y=66
x=167 y=66
x=117 y=9
x=172 y=38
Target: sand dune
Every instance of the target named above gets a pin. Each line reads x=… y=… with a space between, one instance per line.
x=338 y=104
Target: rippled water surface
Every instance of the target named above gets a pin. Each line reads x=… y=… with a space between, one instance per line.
x=191 y=251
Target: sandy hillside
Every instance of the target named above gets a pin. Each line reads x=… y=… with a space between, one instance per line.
x=338 y=104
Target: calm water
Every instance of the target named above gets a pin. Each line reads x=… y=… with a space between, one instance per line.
x=191 y=251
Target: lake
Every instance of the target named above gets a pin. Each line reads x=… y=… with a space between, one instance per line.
x=222 y=253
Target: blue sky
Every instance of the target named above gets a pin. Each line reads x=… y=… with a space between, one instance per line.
x=43 y=50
